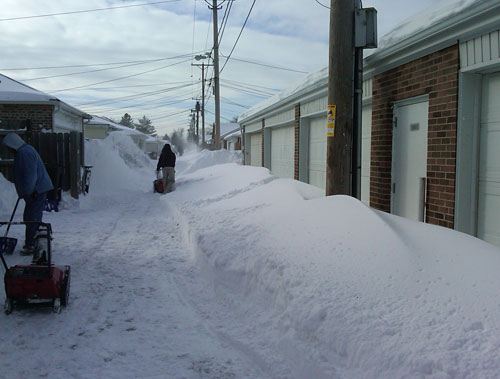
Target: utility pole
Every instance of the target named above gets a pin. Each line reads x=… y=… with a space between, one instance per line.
x=340 y=98
x=352 y=29
x=216 y=76
x=203 y=104
x=197 y=121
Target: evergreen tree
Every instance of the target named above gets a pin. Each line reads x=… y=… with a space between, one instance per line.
x=145 y=126
x=127 y=121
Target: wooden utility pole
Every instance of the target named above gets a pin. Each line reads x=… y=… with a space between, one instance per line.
x=340 y=98
x=197 y=121
x=203 y=103
x=216 y=76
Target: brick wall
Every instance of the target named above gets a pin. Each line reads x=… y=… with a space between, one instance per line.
x=437 y=76
x=40 y=115
x=296 y=125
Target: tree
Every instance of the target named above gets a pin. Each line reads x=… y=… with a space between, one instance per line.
x=127 y=121
x=145 y=126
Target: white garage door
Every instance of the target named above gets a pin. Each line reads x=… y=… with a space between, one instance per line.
x=256 y=149
x=488 y=219
x=365 y=153
x=317 y=152
x=282 y=151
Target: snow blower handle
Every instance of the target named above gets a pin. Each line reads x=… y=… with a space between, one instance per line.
x=11 y=217
x=4 y=240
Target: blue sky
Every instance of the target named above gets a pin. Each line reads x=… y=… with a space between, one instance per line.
x=291 y=35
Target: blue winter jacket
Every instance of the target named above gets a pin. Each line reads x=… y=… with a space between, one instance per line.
x=30 y=175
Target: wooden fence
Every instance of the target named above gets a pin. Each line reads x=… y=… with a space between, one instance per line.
x=62 y=153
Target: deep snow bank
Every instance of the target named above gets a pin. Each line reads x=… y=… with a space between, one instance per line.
x=348 y=290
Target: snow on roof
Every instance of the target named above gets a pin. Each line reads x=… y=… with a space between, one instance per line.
x=236 y=133
x=228 y=127
x=432 y=16
x=311 y=81
x=97 y=120
x=12 y=90
x=429 y=17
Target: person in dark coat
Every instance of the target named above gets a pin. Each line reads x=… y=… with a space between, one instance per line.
x=32 y=184
x=167 y=163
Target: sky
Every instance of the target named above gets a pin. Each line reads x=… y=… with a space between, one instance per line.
x=139 y=59
x=241 y=274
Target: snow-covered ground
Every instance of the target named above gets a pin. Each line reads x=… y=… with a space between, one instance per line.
x=239 y=274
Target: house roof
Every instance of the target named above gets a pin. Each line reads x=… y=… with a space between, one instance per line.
x=97 y=120
x=227 y=128
x=436 y=27
x=12 y=91
x=234 y=134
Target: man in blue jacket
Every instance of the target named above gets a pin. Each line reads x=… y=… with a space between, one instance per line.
x=32 y=183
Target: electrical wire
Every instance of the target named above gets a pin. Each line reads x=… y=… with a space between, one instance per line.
x=226 y=16
x=239 y=35
x=323 y=5
x=86 y=11
x=101 y=64
x=121 y=78
x=266 y=65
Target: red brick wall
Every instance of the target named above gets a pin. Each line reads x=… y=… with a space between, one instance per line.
x=436 y=75
x=40 y=116
x=296 y=125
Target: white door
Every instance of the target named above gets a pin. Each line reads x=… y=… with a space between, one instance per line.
x=256 y=149
x=282 y=151
x=488 y=218
x=409 y=160
x=317 y=152
x=366 y=147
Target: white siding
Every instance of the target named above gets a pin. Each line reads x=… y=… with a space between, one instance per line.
x=317 y=152
x=314 y=107
x=281 y=118
x=256 y=149
x=488 y=223
x=282 y=151
x=480 y=51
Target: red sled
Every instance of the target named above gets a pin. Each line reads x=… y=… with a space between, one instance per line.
x=40 y=282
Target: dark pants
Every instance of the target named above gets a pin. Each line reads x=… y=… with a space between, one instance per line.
x=33 y=211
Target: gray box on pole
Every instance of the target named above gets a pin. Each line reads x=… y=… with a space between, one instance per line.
x=365 y=22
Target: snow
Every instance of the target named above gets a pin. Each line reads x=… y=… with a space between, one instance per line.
x=240 y=274
x=11 y=90
x=411 y=27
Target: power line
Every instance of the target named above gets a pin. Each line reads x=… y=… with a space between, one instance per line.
x=267 y=65
x=99 y=64
x=251 y=85
x=87 y=10
x=123 y=77
x=135 y=96
x=323 y=5
x=226 y=16
x=239 y=35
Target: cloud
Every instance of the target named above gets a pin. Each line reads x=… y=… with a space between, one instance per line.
x=291 y=34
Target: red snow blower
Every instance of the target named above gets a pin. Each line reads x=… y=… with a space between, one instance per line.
x=158 y=183
x=40 y=282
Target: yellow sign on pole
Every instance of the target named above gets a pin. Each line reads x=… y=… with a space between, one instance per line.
x=330 y=120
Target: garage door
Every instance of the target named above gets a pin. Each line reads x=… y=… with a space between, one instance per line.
x=282 y=151
x=365 y=153
x=317 y=152
x=256 y=149
x=488 y=222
